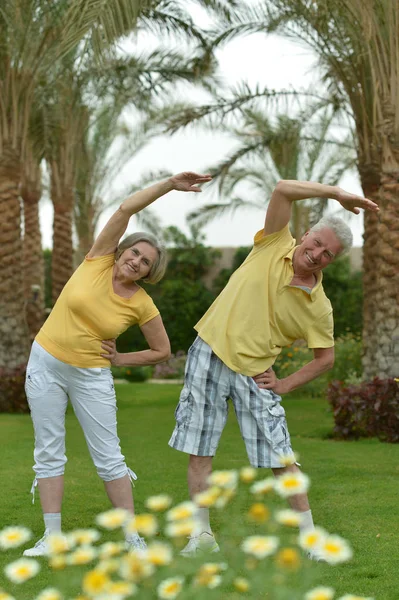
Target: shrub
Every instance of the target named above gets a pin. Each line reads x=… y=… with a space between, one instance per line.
x=173 y=368
x=133 y=374
x=12 y=390
x=369 y=409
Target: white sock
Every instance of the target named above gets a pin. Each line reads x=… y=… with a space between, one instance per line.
x=203 y=520
x=306 y=521
x=52 y=522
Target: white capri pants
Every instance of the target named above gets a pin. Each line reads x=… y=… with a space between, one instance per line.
x=49 y=383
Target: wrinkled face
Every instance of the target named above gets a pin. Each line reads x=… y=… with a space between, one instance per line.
x=317 y=250
x=135 y=262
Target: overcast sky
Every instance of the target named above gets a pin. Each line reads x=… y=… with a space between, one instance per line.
x=272 y=62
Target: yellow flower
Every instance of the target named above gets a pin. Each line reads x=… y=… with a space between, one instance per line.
x=21 y=570
x=248 y=474
x=58 y=561
x=292 y=483
x=110 y=549
x=84 y=536
x=50 y=594
x=262 y=487
x=224 y=479
x=288 y=558
x=288 y=459
x=58 y=543
x=289 y=354
x=12 y=537
x=259 y=513
x=288 y=517
x=95 y=582
x=146 y=524
x=260 y=546
x=208 y=497
x=82 y=556
x=108 y=566
x=159 y=553
x=5 y=596
x=170 y=588
x=158 y=503
x=181 y=528
x=225 y=497
x=320 y=593
x=182 y=511
x=335 y=550
x=208 y=580
x=135 y=567
x=121 y=589
x=113 y=519
x=241 y=584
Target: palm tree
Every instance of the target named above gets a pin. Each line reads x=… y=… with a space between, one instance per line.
x=356 y=42
x=301 y=148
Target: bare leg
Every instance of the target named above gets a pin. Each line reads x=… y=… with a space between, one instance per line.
x=51 y=490
x=119 y=491
x=299 y=502
x=199 y=469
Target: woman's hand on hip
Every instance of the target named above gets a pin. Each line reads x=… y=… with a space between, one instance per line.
x=110 y=353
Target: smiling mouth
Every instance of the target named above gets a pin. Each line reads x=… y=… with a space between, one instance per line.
x=312 y=262
x=132 y=268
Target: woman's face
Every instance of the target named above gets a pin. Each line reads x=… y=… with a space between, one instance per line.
x=135 y=262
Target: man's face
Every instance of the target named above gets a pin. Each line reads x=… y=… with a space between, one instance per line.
x=316 y=251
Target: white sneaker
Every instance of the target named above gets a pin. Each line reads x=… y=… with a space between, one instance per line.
x=40 y=548
x=135 y=542
x=203 y=543
x=315 y=556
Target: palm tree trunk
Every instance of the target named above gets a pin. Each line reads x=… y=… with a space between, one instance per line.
x=33 y=254
x=14 y=338
x=381 y=276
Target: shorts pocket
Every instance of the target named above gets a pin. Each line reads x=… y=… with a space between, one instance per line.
x=35 y=382
x=278 y=431
x=183 y=409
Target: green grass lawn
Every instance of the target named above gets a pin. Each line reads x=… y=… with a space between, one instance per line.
x=354 y=492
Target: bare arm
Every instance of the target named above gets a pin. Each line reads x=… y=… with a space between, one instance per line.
x=108 y=239
x=280 y=205
x=323 y=361
x=157 y=339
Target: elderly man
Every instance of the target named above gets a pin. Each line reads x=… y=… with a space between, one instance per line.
x=275 y=297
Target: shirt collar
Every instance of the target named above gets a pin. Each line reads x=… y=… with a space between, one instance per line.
x=319 y=275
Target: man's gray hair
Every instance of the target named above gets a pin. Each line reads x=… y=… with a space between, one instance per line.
x=158 y=269
x=340 y=228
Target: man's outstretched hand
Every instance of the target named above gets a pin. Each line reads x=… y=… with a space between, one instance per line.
x=353 y=203
x=189 y=181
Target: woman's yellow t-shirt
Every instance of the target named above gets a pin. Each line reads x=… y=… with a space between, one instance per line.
x=88 y=311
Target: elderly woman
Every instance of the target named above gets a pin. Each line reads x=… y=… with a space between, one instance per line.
x=72 y=354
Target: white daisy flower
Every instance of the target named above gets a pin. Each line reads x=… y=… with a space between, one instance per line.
x=159 y=553
x=320 y=593
x=146 y=524
x=335 y=550
x=170 y=588
x=184 y=510
x=181 y=528
x=208 y=498
x=248 y=474
x=22 y=569
x=82 y=555
x=260 y=546
x=288 y=459
x=5 y=596
x=84 y=536
x=58 y=543
x=288 y=517
x=292 y=483
x=95 y=582
x=113 y=519
x=135 y=567
x=14 y=536
x=158 y=503
x=224 y=479
x=263 y=487
x=50 y=594
x=354 y=597
x=110 y=549
x=312 y=539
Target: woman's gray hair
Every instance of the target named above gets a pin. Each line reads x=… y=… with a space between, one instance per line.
x=340 y=228
x=158 y=267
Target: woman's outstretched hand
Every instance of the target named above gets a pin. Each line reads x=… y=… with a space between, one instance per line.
x=189 y=181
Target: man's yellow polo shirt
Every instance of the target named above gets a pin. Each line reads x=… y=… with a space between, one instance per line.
x=88 y=311
x=259 y=312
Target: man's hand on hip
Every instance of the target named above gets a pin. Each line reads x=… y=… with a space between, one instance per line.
x=268 y=381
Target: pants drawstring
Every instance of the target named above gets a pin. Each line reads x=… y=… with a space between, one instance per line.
x=132 y=476
x=32 y=489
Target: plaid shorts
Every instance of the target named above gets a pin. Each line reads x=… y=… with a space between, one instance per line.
x=201 y=413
